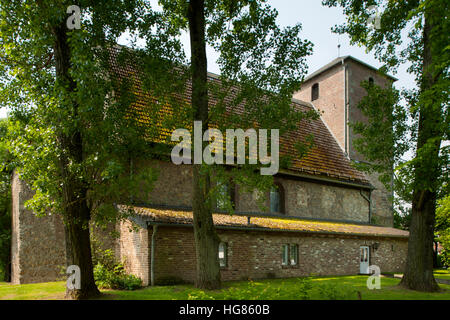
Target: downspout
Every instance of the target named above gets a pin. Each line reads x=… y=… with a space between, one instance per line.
x=369 y=200
x=152 y=256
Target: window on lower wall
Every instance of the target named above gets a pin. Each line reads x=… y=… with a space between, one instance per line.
x=285 y=253
x=294 y=254
x=289 y=255
x=223 y=254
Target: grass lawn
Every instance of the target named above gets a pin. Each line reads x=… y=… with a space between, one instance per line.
x=442 y=274
x=318 y=288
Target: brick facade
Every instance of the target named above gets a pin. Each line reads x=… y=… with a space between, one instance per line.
x=133 y=250
x=342 y=79
x=256 y=255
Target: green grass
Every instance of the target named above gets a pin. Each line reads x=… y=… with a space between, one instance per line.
x=442 y=274
x=47 y=291
x=342 y=287
x=438 y=274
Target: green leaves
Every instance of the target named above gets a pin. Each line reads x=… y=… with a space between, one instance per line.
x=51 y=114
x=419 y=116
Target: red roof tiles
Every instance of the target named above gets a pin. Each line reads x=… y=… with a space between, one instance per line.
x=325 y=159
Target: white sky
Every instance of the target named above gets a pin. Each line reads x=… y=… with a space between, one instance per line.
x=317 y=21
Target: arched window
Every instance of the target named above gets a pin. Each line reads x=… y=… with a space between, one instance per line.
x=277 y=199
x=224 y=192
x=371 y=81
x=315 y=92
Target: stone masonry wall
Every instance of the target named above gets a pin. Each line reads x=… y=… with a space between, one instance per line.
x=38 y=243
x=257 y=255
x=313 y=200
x=38 y=246
x=302 y=198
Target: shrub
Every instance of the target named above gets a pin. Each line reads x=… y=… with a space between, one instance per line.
x=109 y=274
x=116 y=278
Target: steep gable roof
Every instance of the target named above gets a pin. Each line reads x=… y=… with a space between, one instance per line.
x=326 y=159
x=341 y=60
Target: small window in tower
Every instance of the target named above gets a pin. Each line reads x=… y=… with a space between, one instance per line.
x=371 y=81
x=315 y=92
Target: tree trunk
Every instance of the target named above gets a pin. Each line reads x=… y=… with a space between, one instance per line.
x=78 y=229
x=206 y=238
x=76 y=211
x=419 y=264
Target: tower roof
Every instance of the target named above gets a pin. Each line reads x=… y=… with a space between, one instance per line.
x=341 y=60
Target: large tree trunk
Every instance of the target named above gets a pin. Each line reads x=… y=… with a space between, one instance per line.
x=206 y=239
x=419 y=265
x=76 y=211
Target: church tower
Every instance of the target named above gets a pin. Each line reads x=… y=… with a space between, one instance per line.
x=335 y=90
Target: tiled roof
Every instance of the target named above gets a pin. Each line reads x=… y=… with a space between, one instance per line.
x=340 y=60
x=260 y=223
x=325 y=159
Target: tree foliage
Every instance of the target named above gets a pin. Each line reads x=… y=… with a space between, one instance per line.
x=70 y=125
x=413 y=33
x=261 y=66
x=5 y=204
x=70 y=134
x=443 y=228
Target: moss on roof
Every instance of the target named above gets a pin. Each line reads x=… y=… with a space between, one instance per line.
x=182 y=217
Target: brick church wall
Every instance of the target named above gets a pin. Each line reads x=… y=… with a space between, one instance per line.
x=302 y=198
x=256 y=255
x=331 y=104
x=382 y=203
x=133 y=250
x=38 y=243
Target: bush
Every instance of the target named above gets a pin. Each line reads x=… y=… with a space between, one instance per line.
x=109 y=274
x=116 y=278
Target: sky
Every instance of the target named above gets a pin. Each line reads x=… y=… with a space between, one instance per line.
x=317 y=22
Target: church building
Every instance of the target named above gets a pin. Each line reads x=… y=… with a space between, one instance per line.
x=324 y=217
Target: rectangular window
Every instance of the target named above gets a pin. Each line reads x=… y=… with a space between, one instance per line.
x=223 y=254
x=315 y=92
x=294 y=254
x=289 y=255
x=285 y=253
